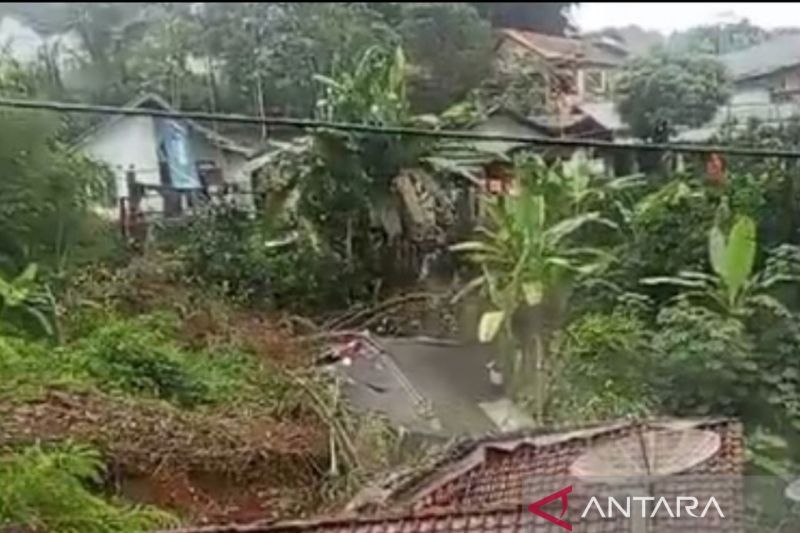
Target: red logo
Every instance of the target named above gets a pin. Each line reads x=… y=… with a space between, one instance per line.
x=562 y=495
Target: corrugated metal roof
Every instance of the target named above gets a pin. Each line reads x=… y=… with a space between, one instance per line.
x=776 y=54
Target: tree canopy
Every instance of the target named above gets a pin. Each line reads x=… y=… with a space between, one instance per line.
x=668 y=91
x=260 y=58
x=717 y=39
x=543 y=17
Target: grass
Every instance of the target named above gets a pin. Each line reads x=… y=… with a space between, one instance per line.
x=140 y=357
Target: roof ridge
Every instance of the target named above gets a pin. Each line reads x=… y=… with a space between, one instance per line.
x=221 y=141
x=398 y=513
x=464 y=454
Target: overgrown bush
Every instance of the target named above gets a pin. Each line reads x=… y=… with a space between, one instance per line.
x=250 y=260
x=700 y=356
x=48 y=490
x=139 y=357
x=670 y=230
x=604 y=360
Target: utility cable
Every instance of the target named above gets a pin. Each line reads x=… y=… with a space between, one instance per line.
x=310 y=124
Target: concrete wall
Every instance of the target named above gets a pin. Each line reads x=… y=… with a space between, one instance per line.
x=132 y=142
x=124 y=143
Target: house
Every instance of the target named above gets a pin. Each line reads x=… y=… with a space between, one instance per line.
x=588 y=120
x=170 y=160
x=766 y=86
x=502 y=483
x=578 y=69
x=637 y=41
x=766 y=73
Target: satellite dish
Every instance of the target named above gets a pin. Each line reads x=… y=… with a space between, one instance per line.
x=647 y=453
x=792 y=491
x=641 y=456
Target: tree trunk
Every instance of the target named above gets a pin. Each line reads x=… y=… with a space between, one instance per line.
x=535 y=328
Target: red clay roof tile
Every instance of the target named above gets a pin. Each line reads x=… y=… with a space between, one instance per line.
x=486 y=485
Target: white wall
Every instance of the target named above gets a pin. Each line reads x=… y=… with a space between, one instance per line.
x=125 y=142
x=133 y=141
x=750 y=96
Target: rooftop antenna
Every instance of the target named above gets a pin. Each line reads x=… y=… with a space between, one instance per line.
x=631 y=464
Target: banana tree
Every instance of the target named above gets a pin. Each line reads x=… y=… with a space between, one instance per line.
x=22 y=299
x=732 y=288
x=529 y=258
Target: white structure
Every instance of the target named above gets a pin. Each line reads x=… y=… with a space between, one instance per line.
x=136 y=144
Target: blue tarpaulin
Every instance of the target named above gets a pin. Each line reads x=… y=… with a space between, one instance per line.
x=176 y=150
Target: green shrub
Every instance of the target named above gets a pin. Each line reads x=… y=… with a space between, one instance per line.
x=670 y=230
x=230 y=249
x=46 y=490
x=139 y=357
x=704 y=360
x=604 y=360
x=27 y=366
x=134 y=356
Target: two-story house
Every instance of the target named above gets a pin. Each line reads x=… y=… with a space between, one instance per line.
x=576 y=70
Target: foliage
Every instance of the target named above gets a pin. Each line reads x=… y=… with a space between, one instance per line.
x=602 y=359
x=259 y=58
x=269 y=52
x=670 y=89
x=664 y=231
x=24 y=304
x=764 y=188
x=160 y=61
x=256 y=263
x=139 y=357
x=48 y=190
x=47 y=490
x=717 y=39
x=543 y=17
x=734 y=289
x=704 y=352
x=529 y=256
x=524 y=250
x=368 y=194
x=449 y=47
x=374 y=92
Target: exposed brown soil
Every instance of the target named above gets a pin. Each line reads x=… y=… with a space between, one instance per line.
x=207 y=466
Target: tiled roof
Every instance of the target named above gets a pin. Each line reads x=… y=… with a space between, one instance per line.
x=485 y=485
x=502 y=469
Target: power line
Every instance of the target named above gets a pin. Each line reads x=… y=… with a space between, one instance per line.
x=306 y=124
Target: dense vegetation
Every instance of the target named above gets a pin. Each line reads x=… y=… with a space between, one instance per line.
x=260 y=58
x=605 y=296
x=660 y=92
